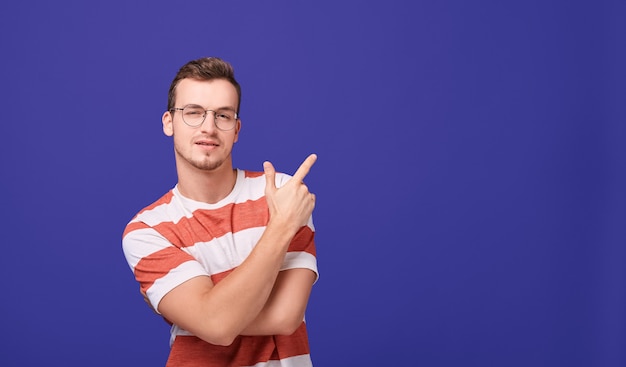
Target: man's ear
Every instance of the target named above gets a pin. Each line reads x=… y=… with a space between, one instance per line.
x=167 y=119
x=237 y=129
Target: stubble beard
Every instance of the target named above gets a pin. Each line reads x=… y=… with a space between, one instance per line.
x=204 y=163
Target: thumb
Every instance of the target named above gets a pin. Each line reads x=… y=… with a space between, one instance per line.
x=270 y=176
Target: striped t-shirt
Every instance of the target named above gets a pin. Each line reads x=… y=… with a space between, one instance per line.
x=176 y=239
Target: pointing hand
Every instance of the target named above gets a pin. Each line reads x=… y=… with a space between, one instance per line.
x=291 y=204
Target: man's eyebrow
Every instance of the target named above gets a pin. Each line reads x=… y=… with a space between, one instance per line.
x=225 y=108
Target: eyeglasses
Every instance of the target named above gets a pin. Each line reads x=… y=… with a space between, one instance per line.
x=194 y=116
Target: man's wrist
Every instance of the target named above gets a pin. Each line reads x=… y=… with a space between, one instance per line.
x=282 y=227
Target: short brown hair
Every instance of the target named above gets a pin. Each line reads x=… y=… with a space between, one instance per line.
x=206 y=68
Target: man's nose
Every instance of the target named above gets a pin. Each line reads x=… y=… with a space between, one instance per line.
x=209 y=122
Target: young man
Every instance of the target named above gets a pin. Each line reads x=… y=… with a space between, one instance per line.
x=227 y=256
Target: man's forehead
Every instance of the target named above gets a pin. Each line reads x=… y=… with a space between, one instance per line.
x=197 y=91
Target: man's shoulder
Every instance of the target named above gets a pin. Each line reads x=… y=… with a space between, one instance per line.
x=158 y=208
x=164 y=200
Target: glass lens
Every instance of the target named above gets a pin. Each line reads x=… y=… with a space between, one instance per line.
x=193 y=115
x=224 y=120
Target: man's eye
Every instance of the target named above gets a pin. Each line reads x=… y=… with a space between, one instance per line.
x=194 y=112
x=223 y=116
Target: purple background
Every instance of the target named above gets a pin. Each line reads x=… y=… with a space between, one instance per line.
x=471 y=174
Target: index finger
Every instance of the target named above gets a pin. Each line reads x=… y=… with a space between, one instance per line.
x=305 y=167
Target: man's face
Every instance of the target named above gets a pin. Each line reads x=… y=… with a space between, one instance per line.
x=204 y=147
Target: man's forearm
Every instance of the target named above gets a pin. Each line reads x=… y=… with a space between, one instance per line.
x=284 y=310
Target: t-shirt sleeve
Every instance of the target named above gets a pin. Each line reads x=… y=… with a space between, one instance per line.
x=301 y=252
x=157 y=264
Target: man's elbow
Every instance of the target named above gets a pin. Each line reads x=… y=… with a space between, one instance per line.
x=224 y=340
x=218 y=336
x=288 y=325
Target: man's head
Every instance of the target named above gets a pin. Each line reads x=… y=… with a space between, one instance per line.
x=202 y=116
x=204 y=69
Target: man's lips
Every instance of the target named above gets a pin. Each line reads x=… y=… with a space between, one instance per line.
x=207 y=143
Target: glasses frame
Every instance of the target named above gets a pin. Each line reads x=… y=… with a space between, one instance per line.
x=206 y=112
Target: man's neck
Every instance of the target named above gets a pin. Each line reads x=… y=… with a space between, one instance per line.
x=206 y=186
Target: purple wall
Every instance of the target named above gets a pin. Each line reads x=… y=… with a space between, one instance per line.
x=470 y=182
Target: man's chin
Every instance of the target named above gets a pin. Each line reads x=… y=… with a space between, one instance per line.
x=207 y=166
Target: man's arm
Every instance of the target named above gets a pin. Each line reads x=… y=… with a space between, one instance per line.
x=218 y=313
x=284 y=311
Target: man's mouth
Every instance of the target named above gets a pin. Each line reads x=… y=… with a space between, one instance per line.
x=207 y=143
